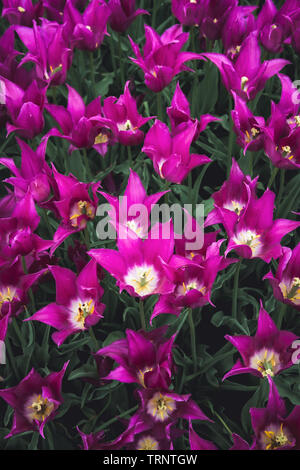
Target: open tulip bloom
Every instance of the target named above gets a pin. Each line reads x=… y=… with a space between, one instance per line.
x=77 y=305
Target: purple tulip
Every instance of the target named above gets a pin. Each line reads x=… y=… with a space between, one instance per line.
x=16 y=232
x=121 y=213
x=137 y=265
x=73 y=205
x=274 y=26
x=25 y=109
x=162 y=59
x=247 y=76
x=188 y=12
x=171 y=155
x=159 y=406
x=286 y=282
x=123 y=113
x=143 y=357
x=273 y=429
x=233 y=195
x=247 y=127
x=55 y=9
x=255 y=234
x=86 y=30
x=123 y=13
x=33 y=176
x=265 y=354
x=193 y=280
x=215 y=15
x=180 y=115
x=35 y=401
x=77 y=305
x=83 y=126
x=238 y=25
x=22 y=12
x=14 y=286
x=48 y=49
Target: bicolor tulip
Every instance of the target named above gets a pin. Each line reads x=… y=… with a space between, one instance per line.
x=35 y=401
x=265 y=354
x=77 y=305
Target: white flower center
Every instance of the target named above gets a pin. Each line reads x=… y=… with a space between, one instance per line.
x=143 y=279
x=160 y=406
x=250 y=238
x=290 y=290
x=234 y=206
x=79 y=310
x=147 y=443
x=265 y=361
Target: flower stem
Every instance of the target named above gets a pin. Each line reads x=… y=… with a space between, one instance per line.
x=281 y=186
x=92 y=335
x=235 y=289
x=281 y=314
x=272 y=177
x=159 y=106
x=193 y=339
x=230 y=138
x=88 y=169
x=129 y=153
x=142 y=315
x=121 y=62
x=92 y=73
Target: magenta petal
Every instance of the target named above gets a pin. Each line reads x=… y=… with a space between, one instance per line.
x=54 y=315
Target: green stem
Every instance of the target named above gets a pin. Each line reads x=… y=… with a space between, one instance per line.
x=230 y=138
x=223 y=422
x=142 y=315
x=92 y=335
x=159 y=106
x=250 y=163
x=193 y=339
x=6 y=142
x=129 y=153
x=92 y=73
x=113 y=54
x=18 y=333
x=281 y=314
x=272 y=177
x=154 y=12
x=88 y=169
x=10 y=358
x=235 y=289
x=121 y=62
x=281 y=186
x=87 y=238
x=30 y=290
x=116 y=418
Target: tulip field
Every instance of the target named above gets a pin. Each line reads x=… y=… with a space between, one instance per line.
x=149 y=225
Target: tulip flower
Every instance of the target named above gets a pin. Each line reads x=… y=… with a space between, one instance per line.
x=77 y=305
x=248 y=128
x=171 y=155
x=247 y=76
x=83 y=126
x=233 y=195
x=35 y=400
x=198 y=443
x=123 y=13
x=25 y=109
x=14 y=287
x=123 y=113
x=86 y=30
x=123 y=209
x=274 y=26
x=162 y=59
x=238 y=25
x=48 y=49
x=286 y=282
x=255 y=234
x=187 y=12
x=137 y=265
x=265 y=354
x=273 y=429
x=34 y=175
x=180 y=115
x=159 y=406
x=215 y=14
x=193 y=280
x=144 y=357
x=22 y=12
x=17 y=235
x=73 y=205
x=281 y=138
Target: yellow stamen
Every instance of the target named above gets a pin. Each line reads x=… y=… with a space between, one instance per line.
x=21 y=9
x=101 y=139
